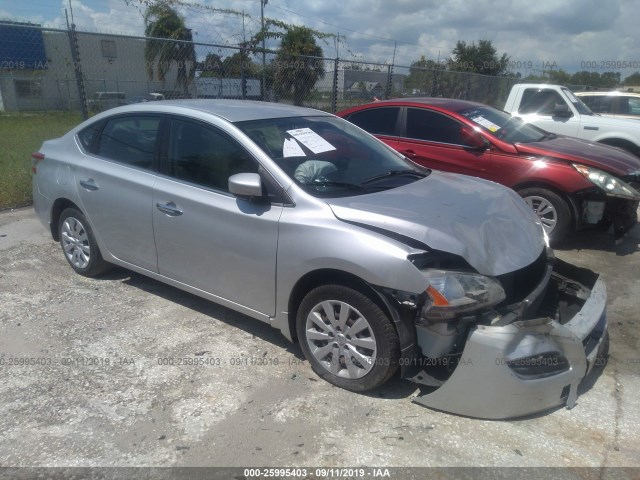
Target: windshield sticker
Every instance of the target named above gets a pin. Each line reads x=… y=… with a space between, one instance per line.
x=292 y=149
x=488 y=124
x=311 y=140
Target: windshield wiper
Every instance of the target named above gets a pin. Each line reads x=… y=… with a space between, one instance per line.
x=393 y=173
x=328 y=183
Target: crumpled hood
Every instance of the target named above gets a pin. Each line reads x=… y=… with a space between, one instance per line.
x=609 y=159
x=487 y=224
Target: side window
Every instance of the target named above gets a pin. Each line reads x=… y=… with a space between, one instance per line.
x=542 y=102
x=634 y=106
x=433 y=126
x=88 y=135
x=203 y=155
x=381 y=121
x=599 y=103
x=130 y=140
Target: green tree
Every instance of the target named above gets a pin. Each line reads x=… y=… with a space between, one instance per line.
x=211 y=66
x=557 y=77
x=589 y=79
x=238 y=64
x=422 y=75
x=298 y=63
x=478 y=58
x=633 y=79
x=162 y=21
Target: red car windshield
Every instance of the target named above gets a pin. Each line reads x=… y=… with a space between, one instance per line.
x=504 y=126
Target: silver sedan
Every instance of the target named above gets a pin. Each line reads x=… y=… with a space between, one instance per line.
x=297 y=218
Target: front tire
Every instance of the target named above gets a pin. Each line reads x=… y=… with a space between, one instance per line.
x=348 y=340
x=552 y=210
x=79 y=244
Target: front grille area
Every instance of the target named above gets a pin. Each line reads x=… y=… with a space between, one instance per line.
x=517 y=285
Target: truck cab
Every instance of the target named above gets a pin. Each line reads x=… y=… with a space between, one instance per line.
x=556 y=109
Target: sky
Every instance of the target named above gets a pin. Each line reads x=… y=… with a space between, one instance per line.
x=537 y=35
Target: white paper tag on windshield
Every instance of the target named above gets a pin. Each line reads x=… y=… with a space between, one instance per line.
x=488 y=124
x=292 y=149
x=311 y=140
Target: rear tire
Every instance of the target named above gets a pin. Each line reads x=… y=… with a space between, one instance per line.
x=552 y=210
x=79 y=244
x=348 y=340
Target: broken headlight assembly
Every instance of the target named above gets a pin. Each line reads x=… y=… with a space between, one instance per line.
x=612 y=186
x=454 y=293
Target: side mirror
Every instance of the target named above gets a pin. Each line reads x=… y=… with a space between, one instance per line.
x=562 y=110
x=473 y=139
x=246 y=185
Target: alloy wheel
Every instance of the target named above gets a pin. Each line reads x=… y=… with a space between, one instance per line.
x=341 y=339
x=75 y=242
x=545 y=210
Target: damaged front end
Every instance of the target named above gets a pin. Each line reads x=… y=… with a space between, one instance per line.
x=613 y=202
x=506 y=346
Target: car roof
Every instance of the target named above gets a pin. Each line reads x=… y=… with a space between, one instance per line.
x=452 y=104
x=230 y=110
x=613 y=94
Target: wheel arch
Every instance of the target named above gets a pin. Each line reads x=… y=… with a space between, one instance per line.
x=573 y=205
x=59 y=206
x=622 y=143
x=328 y=276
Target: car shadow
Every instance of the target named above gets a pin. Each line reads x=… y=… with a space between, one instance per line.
x=602 y=240
x=255 y=327
x=395 y=388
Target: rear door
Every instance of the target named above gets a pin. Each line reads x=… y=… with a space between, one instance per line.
x=433 y=139
x=207 y=238
x=115 y=184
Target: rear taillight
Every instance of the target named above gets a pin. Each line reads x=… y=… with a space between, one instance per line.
x=36 y=158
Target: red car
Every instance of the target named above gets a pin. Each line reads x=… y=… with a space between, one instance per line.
x=570 y=183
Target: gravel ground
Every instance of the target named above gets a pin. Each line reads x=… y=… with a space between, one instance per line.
x=129 y=372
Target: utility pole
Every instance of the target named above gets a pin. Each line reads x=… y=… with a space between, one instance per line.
x=264 y=60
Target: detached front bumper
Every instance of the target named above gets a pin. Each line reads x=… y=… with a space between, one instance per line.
x=528 y=366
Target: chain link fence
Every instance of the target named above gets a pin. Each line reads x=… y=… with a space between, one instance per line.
x=44 y=69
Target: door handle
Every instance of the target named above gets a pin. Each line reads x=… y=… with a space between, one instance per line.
x=89 y=184
x=409 y=153
x=169 y=208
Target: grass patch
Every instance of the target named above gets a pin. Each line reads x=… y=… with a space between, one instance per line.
x=21 y=135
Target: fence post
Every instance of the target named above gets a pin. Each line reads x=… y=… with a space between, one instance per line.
x=334 y=97
x=243 y=80
x=75 y=55
x=387 y=93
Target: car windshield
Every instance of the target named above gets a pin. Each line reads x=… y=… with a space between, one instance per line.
x=577 y=103
x=329 y=157
x=503 y=126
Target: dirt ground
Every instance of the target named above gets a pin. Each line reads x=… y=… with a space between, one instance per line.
x=125 y=371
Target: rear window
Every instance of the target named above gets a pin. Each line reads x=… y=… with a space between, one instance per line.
x=380 y=121
x=542 y=102
x=129 y=139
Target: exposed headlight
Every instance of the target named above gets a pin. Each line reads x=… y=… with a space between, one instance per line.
x=612 y=186
x=454 y=293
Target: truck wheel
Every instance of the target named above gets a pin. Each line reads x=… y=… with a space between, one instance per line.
x=348 y=340
x=552 y=210
x=623 y=144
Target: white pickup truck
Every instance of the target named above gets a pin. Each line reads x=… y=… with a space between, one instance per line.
x=556 y=109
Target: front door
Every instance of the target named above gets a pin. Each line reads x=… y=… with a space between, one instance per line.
x=207 y=238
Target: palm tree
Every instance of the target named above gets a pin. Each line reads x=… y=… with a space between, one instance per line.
x=162 y=21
